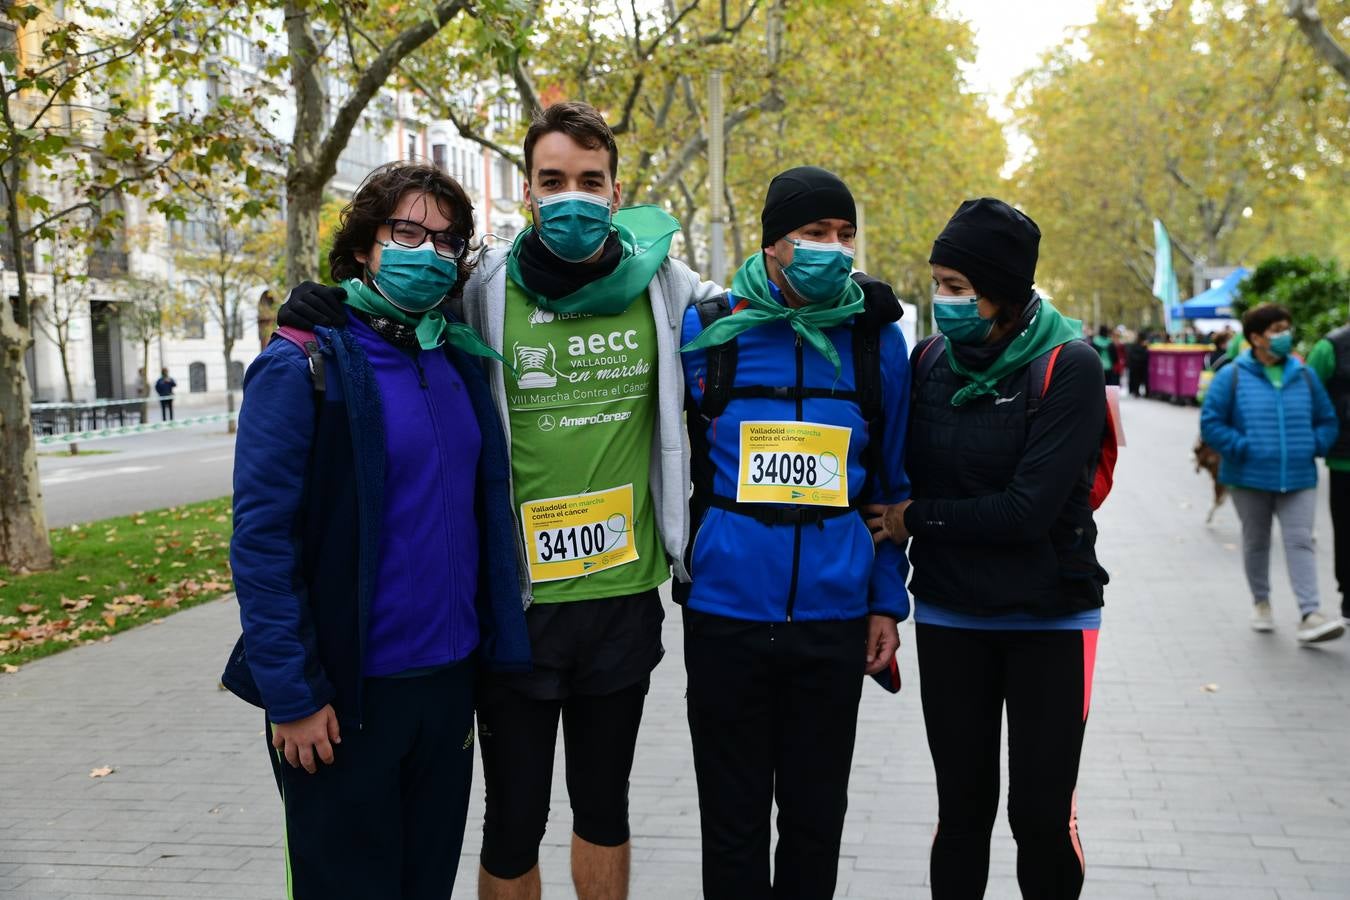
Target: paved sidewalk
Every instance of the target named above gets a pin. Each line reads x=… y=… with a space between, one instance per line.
x=1237 y=792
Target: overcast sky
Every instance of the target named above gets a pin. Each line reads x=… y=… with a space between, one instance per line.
x=1011 y=36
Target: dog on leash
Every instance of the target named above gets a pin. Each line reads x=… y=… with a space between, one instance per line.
x=1208 y=459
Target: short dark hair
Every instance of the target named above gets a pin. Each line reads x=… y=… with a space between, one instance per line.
x=1259 y=318
x=377 y=198
x=579 y=121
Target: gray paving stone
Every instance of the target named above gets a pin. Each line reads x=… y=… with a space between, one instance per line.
x=1184 y=793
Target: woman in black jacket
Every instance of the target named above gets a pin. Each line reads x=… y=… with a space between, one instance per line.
x=1004 y=431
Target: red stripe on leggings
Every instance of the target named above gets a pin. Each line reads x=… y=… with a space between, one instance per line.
x=1089 y=663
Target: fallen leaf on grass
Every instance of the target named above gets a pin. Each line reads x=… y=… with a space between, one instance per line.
x=8 y=669
x=101 y=772
x=27 y=608
x=82 y=578
x=110 y=619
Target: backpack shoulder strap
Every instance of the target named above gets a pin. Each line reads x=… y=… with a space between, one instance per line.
x=1039 y=375
x=721 y=359
x=926 y=354
x=867 y=385
x=308 y=342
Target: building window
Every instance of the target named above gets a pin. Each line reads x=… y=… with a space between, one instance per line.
x=412 y=146
x=438 y=157
x=197 y=378
x=193 y=325
x=236 y=376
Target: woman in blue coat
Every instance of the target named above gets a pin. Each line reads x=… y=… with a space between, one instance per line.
x=372 y=580
x=1270 y=418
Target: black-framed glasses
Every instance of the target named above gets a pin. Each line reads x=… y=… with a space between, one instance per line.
x=412 y=235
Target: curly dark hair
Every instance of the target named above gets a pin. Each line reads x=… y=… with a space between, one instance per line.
x=377 y=198
x=579 y=121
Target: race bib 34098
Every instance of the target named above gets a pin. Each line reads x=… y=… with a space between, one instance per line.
x=580 y=534
x=793 y=462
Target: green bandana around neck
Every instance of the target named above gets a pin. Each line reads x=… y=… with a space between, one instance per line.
x=432 y=327
x=645 y=233
x=1048 y=329
x=751 y=284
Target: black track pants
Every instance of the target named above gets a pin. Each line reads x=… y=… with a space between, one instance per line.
x=773 y=711
x=1045 y=679
x=386 y=819
x=1340 y=526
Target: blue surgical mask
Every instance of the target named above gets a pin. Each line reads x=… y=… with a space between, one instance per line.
x=819 y=272
x=1282 y=343
x=415 y=280
x=574 y=224
x=959 y=319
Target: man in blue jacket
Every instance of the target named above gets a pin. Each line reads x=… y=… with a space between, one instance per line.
x=1270 y=418
x=797 y=407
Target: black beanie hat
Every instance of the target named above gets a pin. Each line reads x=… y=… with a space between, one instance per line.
x=993 y=245
x=801 y=196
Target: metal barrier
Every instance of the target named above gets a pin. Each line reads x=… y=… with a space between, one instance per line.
x=63 y=418
x=81 y=437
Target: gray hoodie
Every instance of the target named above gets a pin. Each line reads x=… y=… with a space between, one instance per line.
x=672 y=291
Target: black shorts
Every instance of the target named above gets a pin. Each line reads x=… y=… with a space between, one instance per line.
x=589 y=647
x=593 y=660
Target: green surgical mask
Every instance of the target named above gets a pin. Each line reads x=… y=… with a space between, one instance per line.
x=959 y=319
x=819 y=272
x=574 y=225
x=1282 y=344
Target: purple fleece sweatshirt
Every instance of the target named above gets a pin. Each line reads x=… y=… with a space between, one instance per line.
x=423 y=613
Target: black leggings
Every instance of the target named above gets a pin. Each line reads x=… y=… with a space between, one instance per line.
x=517 y=735
x=1045 y=678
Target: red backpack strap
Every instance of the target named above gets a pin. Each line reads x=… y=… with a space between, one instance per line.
x=308 y=342
x=1053 y=356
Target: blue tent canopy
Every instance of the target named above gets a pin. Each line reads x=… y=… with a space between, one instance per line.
x=1215 y=303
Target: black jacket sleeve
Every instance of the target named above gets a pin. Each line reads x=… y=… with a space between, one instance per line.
x=1063 y=436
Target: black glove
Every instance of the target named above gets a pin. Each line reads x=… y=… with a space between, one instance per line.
x=310 y=304
x=881 y=306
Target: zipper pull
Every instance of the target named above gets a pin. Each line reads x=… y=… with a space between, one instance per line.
x=799 y=342
x=421 y=375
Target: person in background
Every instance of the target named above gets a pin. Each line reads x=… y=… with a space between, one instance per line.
x=1120 y=364
x=1330 y=359
x=1217 y=358
x=1136 y=358
x=1270 y=419
x=1106 y=350
x=164 y=388
x=267 y=318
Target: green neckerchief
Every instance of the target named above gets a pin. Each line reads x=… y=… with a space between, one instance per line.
x=644 y=234
x=1047 y=330
x=432 y=328
x=752 y=285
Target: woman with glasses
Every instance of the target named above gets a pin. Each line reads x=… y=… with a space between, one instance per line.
x=368 y=591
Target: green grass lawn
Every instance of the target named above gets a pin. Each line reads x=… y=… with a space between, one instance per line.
x=113 y=575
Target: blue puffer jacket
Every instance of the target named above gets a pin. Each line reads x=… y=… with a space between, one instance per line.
x=1270 y=437
x=306 y=546
x=743 y=568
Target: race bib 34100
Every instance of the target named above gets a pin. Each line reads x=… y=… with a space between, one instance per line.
x=793 y=462
x=579 y=534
